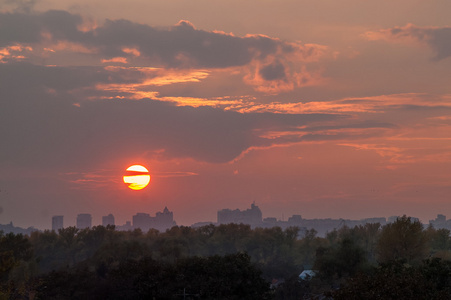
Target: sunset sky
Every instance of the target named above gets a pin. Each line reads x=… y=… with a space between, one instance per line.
x=327 y=109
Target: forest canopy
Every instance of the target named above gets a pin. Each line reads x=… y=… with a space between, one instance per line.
x=229 y=261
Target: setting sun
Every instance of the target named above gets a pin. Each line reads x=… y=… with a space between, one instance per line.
x=136 y=177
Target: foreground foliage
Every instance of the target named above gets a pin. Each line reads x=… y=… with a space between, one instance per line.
x=398 y=280
x=227 y=262
x=215 y=277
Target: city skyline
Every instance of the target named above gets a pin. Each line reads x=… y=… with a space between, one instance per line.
x=331 y=109
x=253 y=216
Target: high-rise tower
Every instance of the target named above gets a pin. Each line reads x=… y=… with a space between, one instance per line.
x=107 y=220
x=57 y=222
x=84 y=221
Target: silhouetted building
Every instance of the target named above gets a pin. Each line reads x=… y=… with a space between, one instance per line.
x=84 y=221
x=440 y=218
x=380 y=220
x=392 y=219
x=295 y=220
x=126 y=227
x=10 y=228
x=108 y=220
x=202 y=224
x=57 y=222
x=440 y=222
x=252 y=216
x=162 y=221
x=143 y=221
x=270 y=222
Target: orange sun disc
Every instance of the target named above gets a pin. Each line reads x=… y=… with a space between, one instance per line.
x=136 y=177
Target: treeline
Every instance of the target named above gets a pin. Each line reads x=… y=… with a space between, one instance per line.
x=228 y=262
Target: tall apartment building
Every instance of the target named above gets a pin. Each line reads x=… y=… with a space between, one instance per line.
x=162 y=221
x=252 y=216
x=84 y=221
x=107 y=220
x=57 y=222
x=143 y=221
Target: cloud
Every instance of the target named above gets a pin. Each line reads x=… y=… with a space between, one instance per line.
x=34 y=28
x=138 y=83
x=273 y=71
x=108 y=178
x=40 y=126
x=276 y=65
x=359 y=105
x=28 y=79
x=121 y=60
x=13 y=53
x=180 y=46
x=437 y=38
x=21 y=6
x=57 y=117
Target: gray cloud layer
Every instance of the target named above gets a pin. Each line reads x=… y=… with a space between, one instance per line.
x=181 y=46
x=438 y=38
x=39 y=126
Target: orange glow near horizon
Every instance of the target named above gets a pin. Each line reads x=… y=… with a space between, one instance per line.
x=136 y=177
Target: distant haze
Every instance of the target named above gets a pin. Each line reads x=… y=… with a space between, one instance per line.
x=337 y=109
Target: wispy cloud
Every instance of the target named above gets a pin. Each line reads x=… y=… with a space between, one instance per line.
x=437 y=38
x=98 y=179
